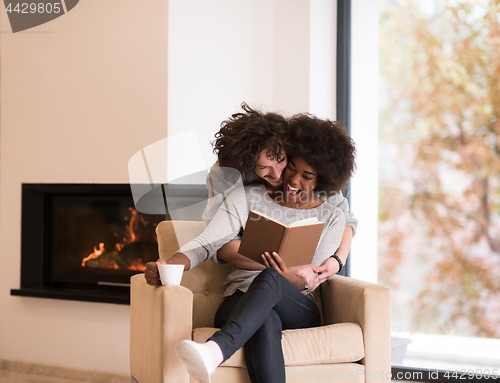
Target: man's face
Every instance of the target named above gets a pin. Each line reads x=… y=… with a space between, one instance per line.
x=270 y=169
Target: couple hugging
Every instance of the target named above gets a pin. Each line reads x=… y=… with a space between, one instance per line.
x=292 y=168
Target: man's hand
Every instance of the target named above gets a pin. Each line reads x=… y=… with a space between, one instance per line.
x=309 y=274
x=151 y=273
x=153 y=276
x=329 y=267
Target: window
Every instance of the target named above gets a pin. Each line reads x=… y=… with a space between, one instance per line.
x=439 y=181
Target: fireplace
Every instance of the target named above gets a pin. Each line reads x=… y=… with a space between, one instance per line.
x=85 y=241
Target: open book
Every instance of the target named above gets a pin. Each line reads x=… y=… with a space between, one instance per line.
x=295 y=244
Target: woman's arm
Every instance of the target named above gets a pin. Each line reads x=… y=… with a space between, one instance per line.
x=229 y=253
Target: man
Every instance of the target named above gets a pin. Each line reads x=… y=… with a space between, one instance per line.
x=249 y=148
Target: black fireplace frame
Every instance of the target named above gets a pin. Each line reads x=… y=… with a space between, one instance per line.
x=34 y=218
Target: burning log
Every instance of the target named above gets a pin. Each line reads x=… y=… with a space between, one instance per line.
x=138 y=246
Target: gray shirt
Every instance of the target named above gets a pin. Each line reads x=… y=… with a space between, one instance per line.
x=221 y=181
x=232 y=216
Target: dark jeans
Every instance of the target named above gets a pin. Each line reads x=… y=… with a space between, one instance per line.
x=256 y=319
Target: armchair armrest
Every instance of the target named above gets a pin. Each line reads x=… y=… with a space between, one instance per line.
x=159 y=318
x=367 y=304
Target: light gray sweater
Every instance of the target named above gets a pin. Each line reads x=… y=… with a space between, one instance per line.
x=221 y=181
x=232 y=217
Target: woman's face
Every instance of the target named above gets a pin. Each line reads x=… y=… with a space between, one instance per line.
x=299 y=180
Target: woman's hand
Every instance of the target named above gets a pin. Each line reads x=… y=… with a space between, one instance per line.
x=329 y=267
x=279 y=265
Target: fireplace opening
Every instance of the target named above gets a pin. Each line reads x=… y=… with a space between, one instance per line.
x=99 y=239
x=85 y=241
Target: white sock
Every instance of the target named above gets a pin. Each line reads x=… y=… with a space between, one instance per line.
x=216 y=354
x=197 y=359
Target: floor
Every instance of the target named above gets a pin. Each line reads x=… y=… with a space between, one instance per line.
x=19 y=377
x=12 y=372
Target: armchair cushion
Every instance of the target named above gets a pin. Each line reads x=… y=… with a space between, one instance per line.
x=338 y=343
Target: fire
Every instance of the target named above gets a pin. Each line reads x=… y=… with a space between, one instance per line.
x=137 y=266
x=138 y=229
x=95 y=254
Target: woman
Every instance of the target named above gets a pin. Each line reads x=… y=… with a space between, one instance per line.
x=260 y=304
x=236 y=145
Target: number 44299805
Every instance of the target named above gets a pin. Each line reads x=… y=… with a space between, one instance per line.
x=34 y=8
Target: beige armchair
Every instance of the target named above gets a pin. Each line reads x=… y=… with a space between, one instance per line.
x=353 y=345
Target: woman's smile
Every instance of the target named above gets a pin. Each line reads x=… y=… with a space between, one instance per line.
x=300 y=180
x=291 y=191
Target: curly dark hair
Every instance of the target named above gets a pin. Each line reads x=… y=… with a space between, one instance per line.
x=242 y=138
x=324 y=145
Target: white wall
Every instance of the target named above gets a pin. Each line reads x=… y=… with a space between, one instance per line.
x=323 y=59
x=82 y=94
x=224 y=52
x=220 y=54
x=79 y=96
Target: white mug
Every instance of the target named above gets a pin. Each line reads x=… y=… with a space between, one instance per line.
x=171 y=275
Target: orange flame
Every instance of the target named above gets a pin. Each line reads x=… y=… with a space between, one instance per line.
x=95 y=254
x=137 y=266
x=135 y=231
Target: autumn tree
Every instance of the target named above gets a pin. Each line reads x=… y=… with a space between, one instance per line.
x=440 y=165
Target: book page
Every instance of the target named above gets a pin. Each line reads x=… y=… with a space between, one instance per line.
x=305 y=222
x=262 y=215
x=302 y=222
